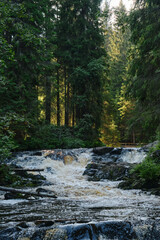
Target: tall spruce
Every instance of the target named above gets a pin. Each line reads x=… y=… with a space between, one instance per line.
x=22 y=34
x=80 y=54
x=49 y=65
x=144 y=85
x=117 y=107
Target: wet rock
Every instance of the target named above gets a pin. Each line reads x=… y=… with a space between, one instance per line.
x=102 y=150
x=119 y=230
x=42 y=223
x=36 y=180
x=42 y=190
x=68 y=159
x=50 y=234
x=116 y=230
x=15 y=166
x=38 y=153
x=56 y=234
x=150 y=145
x=22 y=174
x=132 y=183
x=147 y=230
x=10 y=233
x=22 y=225
x=38 y=235
x=111 y=171
x=54 y=154
x=80 y=232
x=116 y=151
x=8 y=196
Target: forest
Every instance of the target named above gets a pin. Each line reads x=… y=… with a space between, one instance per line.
x=71 y=76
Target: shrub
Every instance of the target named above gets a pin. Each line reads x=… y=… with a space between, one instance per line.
x=6 y=178
x=7 y=142
x=51 y=137
x=149 y=170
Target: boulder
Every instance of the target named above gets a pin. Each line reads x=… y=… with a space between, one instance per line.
x=8 y=196
x=116 y=151
x=102 y=150
x=111 y=171
x=102 y=230
x=37 y=153
x=150 y=145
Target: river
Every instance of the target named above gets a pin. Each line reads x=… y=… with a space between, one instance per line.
x=78 y=201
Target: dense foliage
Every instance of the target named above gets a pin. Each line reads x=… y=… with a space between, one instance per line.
x=144 y=85
x=69 y=76
x=118 y=107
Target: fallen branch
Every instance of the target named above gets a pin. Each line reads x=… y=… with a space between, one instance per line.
x=26 y=169
x=38 y=222
x=13 y=190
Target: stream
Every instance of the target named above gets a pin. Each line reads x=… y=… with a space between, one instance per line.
x=83 y=209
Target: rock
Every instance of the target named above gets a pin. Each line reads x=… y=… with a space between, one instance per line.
x=42 y=190
x=38 y=153
x=44 y=223
x=110 y=171
x=150 y=145
x=8 y=196
x=22 y=225
x=116 y=151
x=68 y=159
x=10 y=233
x=102 y=150
x=108 y=230
x=102 y=230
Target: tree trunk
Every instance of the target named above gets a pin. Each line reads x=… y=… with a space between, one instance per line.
x=134 y=137
x=66 y=98
x=48 y=101
x=58 y=100
x=68 y=101
x=73 y=116
x=13 y=190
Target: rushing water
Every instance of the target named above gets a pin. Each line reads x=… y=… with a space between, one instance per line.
x=78 y=200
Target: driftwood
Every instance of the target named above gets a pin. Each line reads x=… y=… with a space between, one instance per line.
x=50 y=222
x=26 y=169
x=13 y=190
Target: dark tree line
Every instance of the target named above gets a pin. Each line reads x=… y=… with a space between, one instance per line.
x=52 y=62
x=133 y=45
x=144 y=86
x=67 y=74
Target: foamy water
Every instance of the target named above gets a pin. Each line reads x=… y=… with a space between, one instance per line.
x=78 y=198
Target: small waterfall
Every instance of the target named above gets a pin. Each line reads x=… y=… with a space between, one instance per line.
x=128 y=155
x=132 y=155
x=103 y=209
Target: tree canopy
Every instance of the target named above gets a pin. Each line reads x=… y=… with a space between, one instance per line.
x=71 y=74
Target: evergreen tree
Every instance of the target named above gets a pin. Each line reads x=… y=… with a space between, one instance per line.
x=22 y=35
x=117 y=106
x=145 y=71
x=80 y=52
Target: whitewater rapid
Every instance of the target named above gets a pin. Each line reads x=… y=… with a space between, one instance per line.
x=100 y=200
